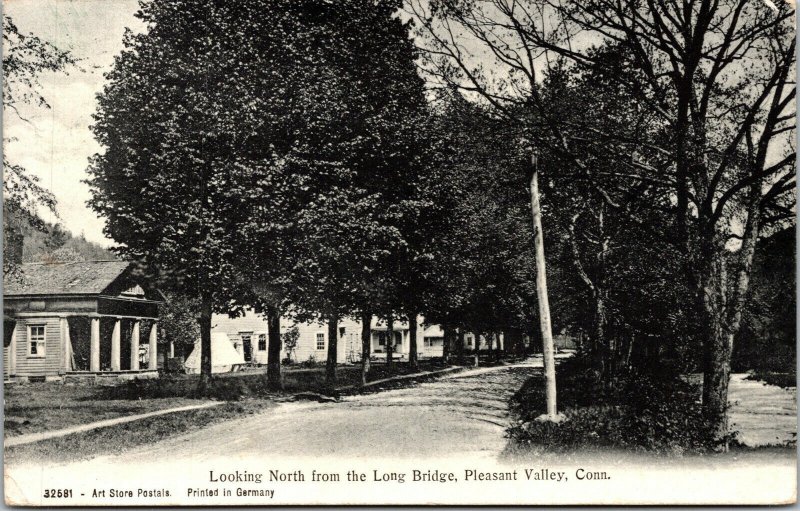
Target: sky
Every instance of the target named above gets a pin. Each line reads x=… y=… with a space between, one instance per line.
x=57 y=143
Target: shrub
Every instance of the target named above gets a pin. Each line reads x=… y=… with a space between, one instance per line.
x=311 y=362
x=223 y=389
x=785 y=380
x=644 y=411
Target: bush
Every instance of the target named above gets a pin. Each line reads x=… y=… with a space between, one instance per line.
x=310 y=363
x=785 y=380
x=223 y=389
x=643 y=411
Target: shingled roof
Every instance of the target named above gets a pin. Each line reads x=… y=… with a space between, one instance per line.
x=80 y=278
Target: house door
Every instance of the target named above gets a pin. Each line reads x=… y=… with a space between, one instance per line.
x=247 y=346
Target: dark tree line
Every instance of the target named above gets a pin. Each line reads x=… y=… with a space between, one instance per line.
x=673 y=116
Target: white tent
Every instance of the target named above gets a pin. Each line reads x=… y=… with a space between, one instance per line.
x=223 y=355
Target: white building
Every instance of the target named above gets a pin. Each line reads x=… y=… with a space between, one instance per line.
x=249 y=336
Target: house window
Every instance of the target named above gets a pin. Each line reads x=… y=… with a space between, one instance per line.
x=36 y=341
x=381 y=339
x=262 y=342
x=431 y=342
x=469 y=341
x=320 y=341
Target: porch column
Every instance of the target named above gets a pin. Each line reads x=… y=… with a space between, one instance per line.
x=94 y=346
x=115 y=365
x=171 y=349
x=152 y=362
x=66 y=351
x=12 y=351
x=135 y=346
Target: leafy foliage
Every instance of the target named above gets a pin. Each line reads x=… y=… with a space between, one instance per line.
x=640 y=411
x=177 y=320
x=25 y=58
x=767 y=342
x=358 y=146
x=289 y=340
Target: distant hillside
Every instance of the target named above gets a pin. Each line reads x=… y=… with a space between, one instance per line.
x=57 y=244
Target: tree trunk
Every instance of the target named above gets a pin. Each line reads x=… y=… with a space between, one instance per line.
x=722 y=318
x=541 y=294
x=274 y=348
x=520 y=344
x=205 y=337
x=750 y=236
x=333 y=338
x=600 y=351
x=476 y=352
x=446 y=340
x=389 y=342
x=631 y=343
x=366 y=345
x=716 y=350
x=460 y=346
x=413 y=358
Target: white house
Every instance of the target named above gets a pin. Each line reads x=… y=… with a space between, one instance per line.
x=249 y=337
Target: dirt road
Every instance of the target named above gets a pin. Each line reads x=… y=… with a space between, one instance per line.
x=465 y=413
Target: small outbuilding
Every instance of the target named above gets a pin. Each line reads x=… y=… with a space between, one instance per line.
x=79 y=319
x=224 y=357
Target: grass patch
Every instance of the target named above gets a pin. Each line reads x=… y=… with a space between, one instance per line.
x=780 y=379
x=32 y=408
x=638 y=411
x=36 y=407
x=248 y=384
x=116 y=439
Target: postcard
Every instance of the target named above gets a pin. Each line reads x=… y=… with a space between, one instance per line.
x=399 y=252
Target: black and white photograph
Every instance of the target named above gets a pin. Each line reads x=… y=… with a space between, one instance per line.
x=399 y=252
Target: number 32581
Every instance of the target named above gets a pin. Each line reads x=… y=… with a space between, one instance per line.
x=57 y=494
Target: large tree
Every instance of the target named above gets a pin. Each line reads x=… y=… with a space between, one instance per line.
x=191 y=124
x=479 y=274
x=358 y=150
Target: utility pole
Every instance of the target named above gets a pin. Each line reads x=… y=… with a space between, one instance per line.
x=541 y=291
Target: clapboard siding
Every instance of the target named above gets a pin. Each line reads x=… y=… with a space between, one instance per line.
x=306 y=344
x=348 y=347
x=50 y=364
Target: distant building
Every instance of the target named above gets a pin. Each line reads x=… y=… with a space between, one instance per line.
x=249 y=336
x=89 y=319
x=565 y=341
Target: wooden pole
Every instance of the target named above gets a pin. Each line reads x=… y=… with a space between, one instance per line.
x=541 y=291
